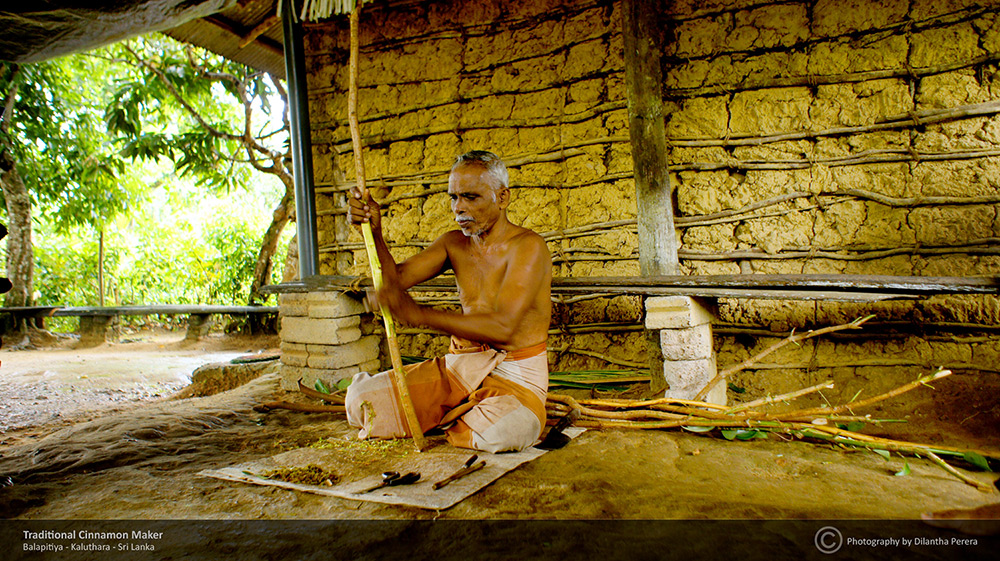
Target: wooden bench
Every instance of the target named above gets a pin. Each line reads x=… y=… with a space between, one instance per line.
x=94 y=321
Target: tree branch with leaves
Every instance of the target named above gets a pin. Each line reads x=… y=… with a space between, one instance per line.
x=192 y=80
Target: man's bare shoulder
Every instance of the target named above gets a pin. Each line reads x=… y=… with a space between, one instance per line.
x=452 y=239
x=529 y=240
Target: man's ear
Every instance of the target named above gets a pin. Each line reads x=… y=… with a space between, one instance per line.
x=503 y=198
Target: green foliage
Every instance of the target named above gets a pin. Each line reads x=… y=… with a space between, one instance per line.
x=195 y=258
x=66 y=274
x=321 y=387
x=743 y=434
x=186 y=104
x=146 y=141
x=977 y=460
x=75 y=176
x=236 y=248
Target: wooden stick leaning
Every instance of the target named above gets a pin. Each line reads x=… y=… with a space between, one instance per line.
x=856 y=324
x=398 y=375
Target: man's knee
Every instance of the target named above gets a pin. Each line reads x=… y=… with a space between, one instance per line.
x=502 y=423
x=371 y=406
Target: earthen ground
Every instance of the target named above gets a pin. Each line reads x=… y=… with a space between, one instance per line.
x=603 y=474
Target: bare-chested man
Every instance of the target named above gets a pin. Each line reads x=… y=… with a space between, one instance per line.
x=488 y=393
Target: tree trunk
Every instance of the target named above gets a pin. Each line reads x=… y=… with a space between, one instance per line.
x=20 y=250
x=265 y=262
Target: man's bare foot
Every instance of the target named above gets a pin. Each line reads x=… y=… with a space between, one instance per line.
x=980 y=521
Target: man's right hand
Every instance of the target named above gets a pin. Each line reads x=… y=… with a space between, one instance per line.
x=363 y=208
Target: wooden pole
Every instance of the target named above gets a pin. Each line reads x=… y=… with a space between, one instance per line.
x=398 y=375
x=647 y=131
x=643 y=83
x=100 y=267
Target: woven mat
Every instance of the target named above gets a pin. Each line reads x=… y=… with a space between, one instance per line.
x=433 y=465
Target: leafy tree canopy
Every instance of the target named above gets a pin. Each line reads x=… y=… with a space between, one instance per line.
x=97 y=135
x=194 y=107
x=75 y=175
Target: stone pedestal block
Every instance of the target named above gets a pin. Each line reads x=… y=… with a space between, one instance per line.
x=290 y=375
x=320 y=305
x=93 y=330
x=688 y=377
x=321 y=339
x=333 y=357
x=320 y=331
x=294 y=354
x=675 y=312
x=198 y=326
x=687 y=344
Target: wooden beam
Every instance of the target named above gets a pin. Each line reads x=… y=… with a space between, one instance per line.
x=159 y=309
x=647 y=130
x=644 y=90
x=229 y=28
x=261 y=29
x=851 y=288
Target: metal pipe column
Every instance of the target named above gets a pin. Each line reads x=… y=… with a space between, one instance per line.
x=300 y=138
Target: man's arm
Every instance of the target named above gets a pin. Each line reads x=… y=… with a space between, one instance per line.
x=429 y=263
x=528 y=273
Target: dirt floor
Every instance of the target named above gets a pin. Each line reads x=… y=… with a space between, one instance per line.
x=94 y=435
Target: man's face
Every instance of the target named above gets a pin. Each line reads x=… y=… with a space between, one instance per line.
x=476 y=204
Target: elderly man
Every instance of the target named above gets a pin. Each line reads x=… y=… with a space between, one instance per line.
x=488 y=392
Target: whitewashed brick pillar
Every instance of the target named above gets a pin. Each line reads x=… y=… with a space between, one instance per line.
x=686 y=342
x=321 y=339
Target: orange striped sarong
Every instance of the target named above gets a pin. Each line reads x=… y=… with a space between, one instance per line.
x=484 y=398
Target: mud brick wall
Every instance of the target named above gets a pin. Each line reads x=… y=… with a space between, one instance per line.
x=539 y=83
x=805 y=137
x=853 y=137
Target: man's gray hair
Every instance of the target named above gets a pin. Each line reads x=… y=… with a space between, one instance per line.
x=496 y=171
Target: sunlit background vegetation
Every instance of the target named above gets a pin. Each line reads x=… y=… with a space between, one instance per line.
x=110 y=159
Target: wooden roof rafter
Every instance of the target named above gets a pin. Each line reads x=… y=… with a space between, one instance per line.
x=249 y=32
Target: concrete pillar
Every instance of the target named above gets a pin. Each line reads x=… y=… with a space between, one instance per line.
x=93 y=330
x=321 y=339
x=685 y=328
x=198 y=326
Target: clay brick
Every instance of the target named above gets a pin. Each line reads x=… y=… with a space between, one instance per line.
x=293 y=354
x=292 y=347
x=294 y=360
x=674 y=312
x=333 y=305
x=687 y=344
x=293 y=305
x=322 y=331
x=341 y=356
x=371 y=367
